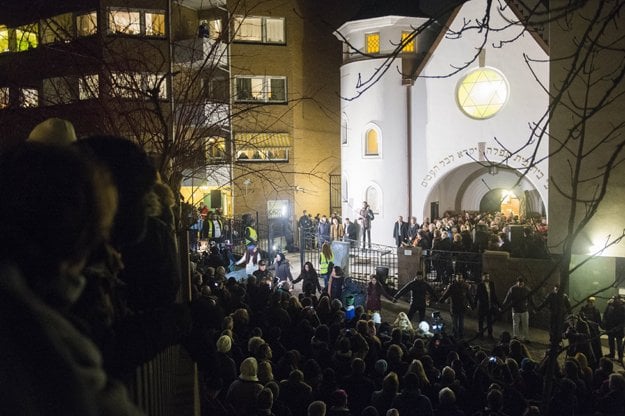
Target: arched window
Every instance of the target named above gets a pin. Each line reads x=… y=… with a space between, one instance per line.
x=345 y=189
x=373 y=198
x=372 y=145
x=344 y=129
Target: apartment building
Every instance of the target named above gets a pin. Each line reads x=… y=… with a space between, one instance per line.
x=237 y=101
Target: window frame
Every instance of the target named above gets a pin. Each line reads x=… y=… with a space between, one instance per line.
x=265 y=89
x=410 y=47
x=143 y=31
x=374 y=37
x=375 y=129
x=263 y=37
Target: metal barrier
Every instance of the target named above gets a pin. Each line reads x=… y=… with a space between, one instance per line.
x=153 y=386
x=362 y=263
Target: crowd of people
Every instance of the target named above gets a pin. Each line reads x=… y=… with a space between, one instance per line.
x=268 y=351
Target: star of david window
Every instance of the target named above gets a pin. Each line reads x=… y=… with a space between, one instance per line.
x=482 y=93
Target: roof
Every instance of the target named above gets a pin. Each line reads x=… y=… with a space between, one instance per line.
x=408 y=8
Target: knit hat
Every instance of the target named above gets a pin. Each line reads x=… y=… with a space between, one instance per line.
x=220 y=272
x=53 y=131
x=339 y=397
x=249 y=369
x=381 y=366
x=224 y=344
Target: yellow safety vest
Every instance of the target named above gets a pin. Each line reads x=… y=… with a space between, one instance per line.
x=324 y=263
x=252 y=238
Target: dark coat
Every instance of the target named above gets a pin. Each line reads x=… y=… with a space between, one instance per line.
x=486 y=301
x=374 y=294
x=412 y=403
x=419 y=289
x=400 y=232
x=458 y=293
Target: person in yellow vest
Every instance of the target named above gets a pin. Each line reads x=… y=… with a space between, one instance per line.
x=326 y=257
x=213 y=228
x=251 y=237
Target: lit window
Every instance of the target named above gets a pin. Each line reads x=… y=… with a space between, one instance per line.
x=264 y=89
x=4 y=39
x=154 y=24
x=259 y=29
x=87 y=24
x=372 y=42
x=409 y=45
x=57 y=29
x=88 y=87
x=57 y=91
x=26 y=37
x=371 y=143
x=482 y=93
x=125 y=85
x=262 y=147
x=216 y=149
x=214 y=29
x=29 y=97
x=274 y=30
x=126 y=22
x=4 y=97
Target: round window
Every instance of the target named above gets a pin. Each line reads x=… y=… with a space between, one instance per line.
x=482 y=93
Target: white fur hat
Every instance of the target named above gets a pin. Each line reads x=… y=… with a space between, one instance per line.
x=53 y=131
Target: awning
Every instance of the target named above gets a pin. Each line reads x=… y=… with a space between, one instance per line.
x=262 y=140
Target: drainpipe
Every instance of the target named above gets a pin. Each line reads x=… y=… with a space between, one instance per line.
x=410 y=83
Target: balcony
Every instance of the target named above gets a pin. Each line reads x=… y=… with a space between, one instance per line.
x=202 y=4
x=204 y=114
x=201 y=53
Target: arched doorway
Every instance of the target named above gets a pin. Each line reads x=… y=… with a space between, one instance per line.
x=501 y=200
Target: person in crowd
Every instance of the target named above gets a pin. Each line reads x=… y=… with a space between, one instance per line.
x=351 y=232
x=243 y=391
x=519 y=299
x=590 y=311
x=487 y=305
x=324 y=230
x=137 y=280
x=283 y=269
x=316 y=408
x=335 y=283
x=420 y=294
x=49 y=366
x=559 y=308
x=413 y=231
x=251 y=236
x=410 y=401
x=460 y=298
x=262 y=273
x=326 y=261
x=400 y=231
x=365 y=217
x=613 y=323
x=375 y=290
x=337 y=231
x=213 y=228
x=250 y=259
x=310 y=280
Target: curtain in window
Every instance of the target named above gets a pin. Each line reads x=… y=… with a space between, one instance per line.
x=86 y=24
x=249 y=28
x=155 y=24
x=275 y=30
x=244 y=88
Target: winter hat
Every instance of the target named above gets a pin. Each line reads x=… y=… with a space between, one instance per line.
x=53 y=131
x=224 y=344
x=249 y=369
x=339 y=397
x=220 y=272
x=381 y=366
x=253 y=344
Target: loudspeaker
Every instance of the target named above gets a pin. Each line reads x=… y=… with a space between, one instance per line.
x=215 y=198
